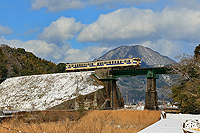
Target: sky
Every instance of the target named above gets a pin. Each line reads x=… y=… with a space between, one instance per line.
x=81 y=30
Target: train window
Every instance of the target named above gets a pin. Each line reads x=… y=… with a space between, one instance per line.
x=129 y=60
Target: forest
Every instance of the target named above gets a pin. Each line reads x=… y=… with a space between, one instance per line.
x=17 y=62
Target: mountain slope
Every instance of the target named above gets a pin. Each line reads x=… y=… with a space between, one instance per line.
x=135 y=87
x=18 y=62
x=148 y=56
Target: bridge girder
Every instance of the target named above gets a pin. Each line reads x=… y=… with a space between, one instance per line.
x=140 y=71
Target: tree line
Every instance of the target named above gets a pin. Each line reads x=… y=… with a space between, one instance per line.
x=17 y=62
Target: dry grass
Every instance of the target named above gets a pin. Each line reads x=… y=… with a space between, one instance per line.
x=97 y=121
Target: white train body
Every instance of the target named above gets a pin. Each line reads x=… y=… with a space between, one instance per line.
x=128 y=62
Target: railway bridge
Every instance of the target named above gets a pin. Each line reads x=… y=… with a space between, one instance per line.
x=109 y=78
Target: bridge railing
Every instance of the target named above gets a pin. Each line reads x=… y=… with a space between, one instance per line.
x=156 y=66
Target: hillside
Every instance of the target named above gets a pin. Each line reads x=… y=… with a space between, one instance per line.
x=40 y=92
x=18 y=62
x=135 y=87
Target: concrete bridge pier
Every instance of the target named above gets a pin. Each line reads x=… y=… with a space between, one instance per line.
x=151 y=99
x=113 y=96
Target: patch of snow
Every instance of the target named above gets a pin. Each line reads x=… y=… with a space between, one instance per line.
x=173 y=124
x=40 y=92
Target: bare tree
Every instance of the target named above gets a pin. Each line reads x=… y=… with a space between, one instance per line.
x=186 y=90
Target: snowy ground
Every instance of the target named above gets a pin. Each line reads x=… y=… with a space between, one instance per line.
x=172 y=124
x=40 y=92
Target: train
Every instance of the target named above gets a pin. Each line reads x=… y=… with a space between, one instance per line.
x=99 y=64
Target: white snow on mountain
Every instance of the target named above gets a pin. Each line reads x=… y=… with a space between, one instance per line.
x=40 y=92
x=147 y=55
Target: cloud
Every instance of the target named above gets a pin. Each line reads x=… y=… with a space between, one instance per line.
x=121 y=24
x=5 y=30
x=191 y=4
x=59 y=5
x=165 y=47
x=61 y=30
x=86 y=54
x=130 y=25
x=30 y=31
x=57 y=54
x=38 y=47
x=119 y=2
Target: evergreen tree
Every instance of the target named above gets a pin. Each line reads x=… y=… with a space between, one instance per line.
x=61 y=67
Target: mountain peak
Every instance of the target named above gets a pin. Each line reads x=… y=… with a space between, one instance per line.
x=147 y=55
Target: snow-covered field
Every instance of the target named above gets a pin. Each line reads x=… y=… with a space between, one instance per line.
x=39 y=92
x=172 y=124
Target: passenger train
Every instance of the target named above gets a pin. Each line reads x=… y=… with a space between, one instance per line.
x=86 y=66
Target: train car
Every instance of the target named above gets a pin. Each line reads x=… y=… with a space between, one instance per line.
x=127 y=62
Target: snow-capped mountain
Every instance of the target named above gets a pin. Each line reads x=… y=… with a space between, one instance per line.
x=135 y=87
x=40 y=92
x=147 y=55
